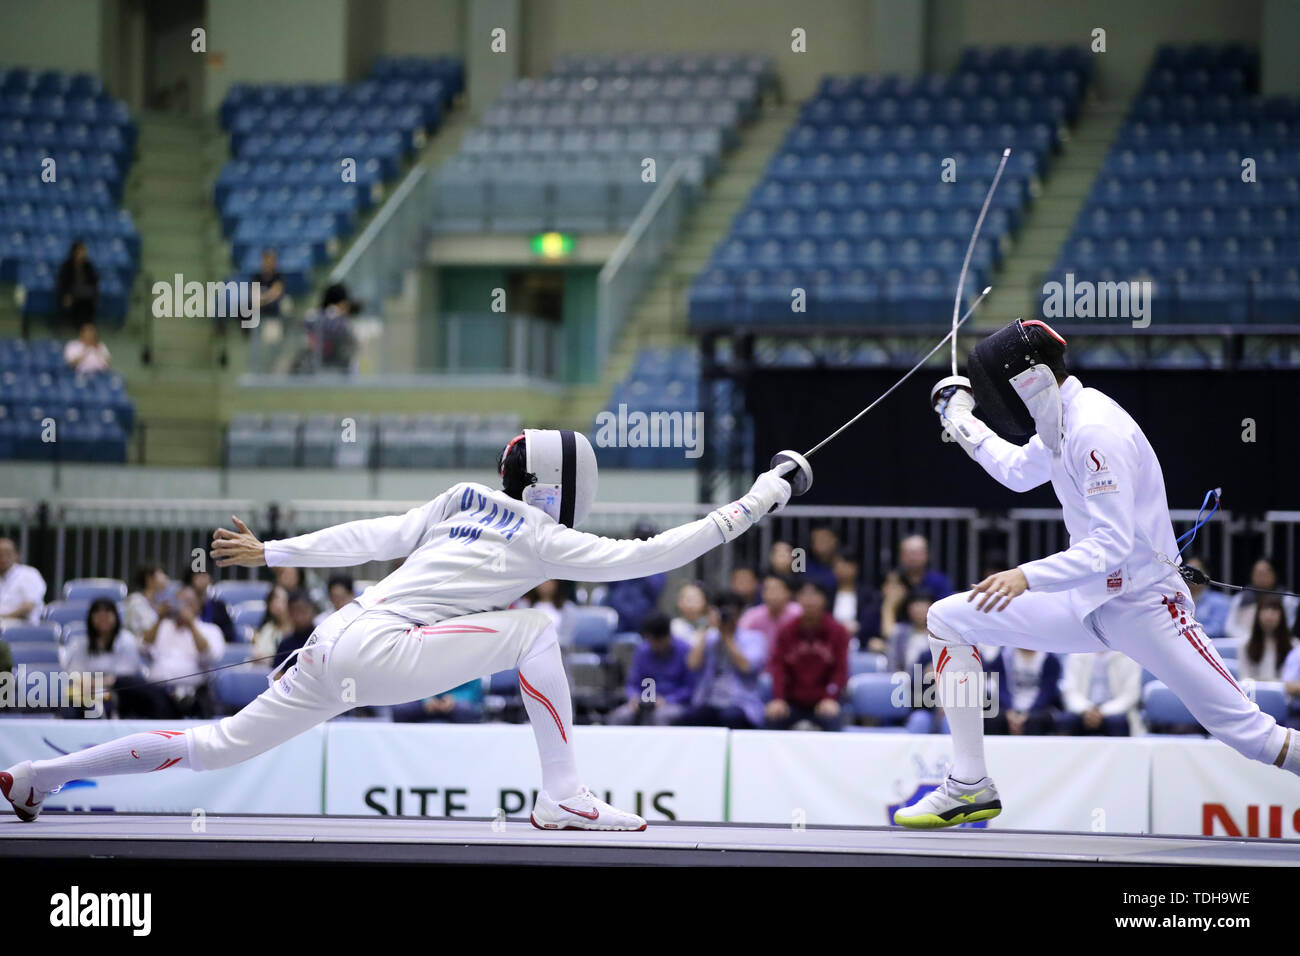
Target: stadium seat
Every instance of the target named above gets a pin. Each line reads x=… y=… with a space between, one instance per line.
x=237 y=687
x=873 y=696
x=88 y=589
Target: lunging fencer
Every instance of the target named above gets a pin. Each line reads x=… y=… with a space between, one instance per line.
x=435 y=622
x=1115 y=587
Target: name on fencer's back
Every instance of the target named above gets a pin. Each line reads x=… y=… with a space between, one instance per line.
x=498 y=518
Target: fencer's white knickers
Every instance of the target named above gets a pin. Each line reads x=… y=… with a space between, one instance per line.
x=1154 y=627
x=362 y=658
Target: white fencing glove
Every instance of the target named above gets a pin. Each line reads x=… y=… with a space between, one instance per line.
x=770 y=491
x=953 y=400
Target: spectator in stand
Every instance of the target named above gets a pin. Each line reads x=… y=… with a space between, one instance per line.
x=270 y=285
x=276 y=625
x=210 y=609
x=744 y=582
x=1101 y=693
x=778 y=608
x=148 y=583
x=1270 y=641
x=22 y=589
x=1029 y=692
x=914 y=563
x=302 y=621
x=693 y=613
x=635 y=600
x=331 y=343
x=555 y=599
x=85 y=354
x=1241 y=607
x=727 y=662
x=659 y=683
x=340 y=590
x=908 y=648
x=825 y=545
x=855 y=606
x=460 y=705
x=77 y=285
x=106 y=649
x=1209 y=605
x=809 y=666
x=780 y=558
x=178 y=645
x=291 y=579
x=1290 y=684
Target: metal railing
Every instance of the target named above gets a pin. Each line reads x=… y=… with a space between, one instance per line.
x=636 y=259
x=391 y=243
x=109 y=537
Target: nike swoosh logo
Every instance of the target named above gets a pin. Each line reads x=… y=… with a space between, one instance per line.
x=590 y=814
x=31 y=795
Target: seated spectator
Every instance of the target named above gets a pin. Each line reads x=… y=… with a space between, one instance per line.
x=809 y=666
x=1029 y=692
x=1101 y=692
x=1241 y=607
x=555 y=600
x=460 y=705
x=744 y=582
x=77 y=285
x=820 y=563
x=726 y=662
x=908 y=648
x=1290 y=682
x=1210 y=606
x=179 y=644
x=291 y=579
x=270 y=284
x=693 y=615
x=22 y=589
x=856 y=606
x=778 y=608
x=210 y=609
x=1270 y=641
x=892 y=607
x=85 y=354
x=148 y=582
x=659 y=683
x=780 y=558
x=107 y=650
x=635 y=600
x=302 y=621
x=341 y=591
x=914 y=566
x=276 y=625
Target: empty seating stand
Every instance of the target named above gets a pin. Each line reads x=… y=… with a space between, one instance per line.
x=69 y=119
x=1172 y=206
x=284 y=186
x=289 y=440
x=50 y=413
x=566 y=152
x=855 y=211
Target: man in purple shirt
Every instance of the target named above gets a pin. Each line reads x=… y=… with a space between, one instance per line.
x=659 y=683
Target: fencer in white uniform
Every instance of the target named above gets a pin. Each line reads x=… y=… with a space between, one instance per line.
x=435 y=622
x=1115 y=587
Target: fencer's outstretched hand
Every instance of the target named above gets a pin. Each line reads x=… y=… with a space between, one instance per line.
x=239 y=548
x=769 y=491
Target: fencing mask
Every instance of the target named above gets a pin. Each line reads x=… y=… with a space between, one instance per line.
x=560 y=473
x=1013 y=375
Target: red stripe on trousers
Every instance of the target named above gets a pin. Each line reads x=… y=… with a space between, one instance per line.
x=1200 y=649
x=537 y=695
x=165 y=765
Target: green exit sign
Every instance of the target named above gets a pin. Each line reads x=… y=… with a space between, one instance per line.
x=553 y=245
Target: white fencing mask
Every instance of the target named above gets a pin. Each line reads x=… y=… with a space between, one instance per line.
x=561 y=474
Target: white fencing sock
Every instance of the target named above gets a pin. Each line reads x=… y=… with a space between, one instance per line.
x=545 y=687
x=959 y=681
x=134 y=753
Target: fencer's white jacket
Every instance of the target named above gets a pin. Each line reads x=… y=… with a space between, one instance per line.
x=1112 y=494
x=474 y=549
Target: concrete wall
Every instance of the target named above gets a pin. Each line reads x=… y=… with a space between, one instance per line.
x=423 y=27
x=53 y=34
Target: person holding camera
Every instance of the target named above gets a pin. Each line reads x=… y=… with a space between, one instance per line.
x=659 y=683
x=178 y=645
x=727 y=661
